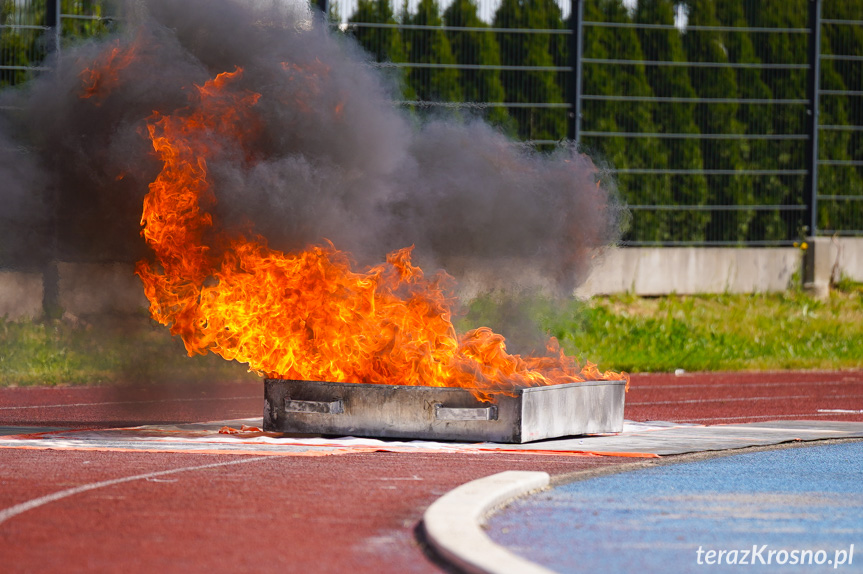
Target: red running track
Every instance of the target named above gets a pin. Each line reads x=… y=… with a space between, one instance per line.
x=720 y=398
x=355 y=512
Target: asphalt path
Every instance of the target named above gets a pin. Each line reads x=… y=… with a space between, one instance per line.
x=105 y=511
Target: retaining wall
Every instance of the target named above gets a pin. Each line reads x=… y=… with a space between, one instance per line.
x=689 y=270
x=89 y=288
x=20 y=295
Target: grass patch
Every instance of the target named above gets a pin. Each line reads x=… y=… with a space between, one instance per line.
x=787 y=330
x=774 y=331
x=107 y=350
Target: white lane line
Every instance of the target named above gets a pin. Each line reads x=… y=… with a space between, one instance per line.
x=843 y=411
x=697 y=384
x=453 y=523
x=735 y=399
x=153 y=401
x=8 y=513
x=778 y=417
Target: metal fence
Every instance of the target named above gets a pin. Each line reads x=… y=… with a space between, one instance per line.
x=721 y=122
x=711 y=165
x=839 y=164
x=32 y=29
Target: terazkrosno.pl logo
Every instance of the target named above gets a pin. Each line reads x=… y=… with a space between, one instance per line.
x=765 y=555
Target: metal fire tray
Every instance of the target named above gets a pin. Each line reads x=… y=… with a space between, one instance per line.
x=443 y=413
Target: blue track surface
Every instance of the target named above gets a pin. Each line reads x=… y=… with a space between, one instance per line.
x=789 y=502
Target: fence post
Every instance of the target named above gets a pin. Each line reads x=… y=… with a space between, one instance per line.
x=812 y=88
x=50 y=272
x=576 y=47
x=52 y=21
x=816 y=268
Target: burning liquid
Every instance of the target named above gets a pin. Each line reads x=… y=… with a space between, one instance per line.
x=300 y=315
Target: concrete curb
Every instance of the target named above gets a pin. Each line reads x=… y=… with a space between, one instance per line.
x=453 y=523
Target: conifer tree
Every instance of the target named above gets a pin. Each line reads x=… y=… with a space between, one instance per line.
x=27 y=47
x=666 y=45
x=431 y=47
x=385 y=44
x=785 y=84
x=756 y=120
x=600 y=115
x=84 y=27
x=334 y=15
x=717 y=118
x=836 y=145
x=17 y=46
x=476 y=48
x=844 y=40
x=557 y=42
x=534 y=86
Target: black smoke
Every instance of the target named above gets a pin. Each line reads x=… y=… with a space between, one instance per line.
x=336 y=159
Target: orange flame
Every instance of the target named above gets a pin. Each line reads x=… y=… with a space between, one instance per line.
x=104 y=76
x=308 y=84
x=303 y=315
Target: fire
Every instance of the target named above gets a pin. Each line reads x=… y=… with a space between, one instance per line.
x=308 y=79
x=102 y=78
x=304 y=315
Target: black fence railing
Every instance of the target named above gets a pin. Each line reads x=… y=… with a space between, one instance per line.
x=721 y=122
x=31 y=29
x=839 y=162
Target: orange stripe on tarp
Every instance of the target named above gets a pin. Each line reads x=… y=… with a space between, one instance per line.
x=339 y=450
x=475 y=450
x=42 y=434
x=197 y=451
x=575 y=452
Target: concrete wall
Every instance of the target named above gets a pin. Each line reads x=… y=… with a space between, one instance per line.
x=20 y=295
x=660 y=271
x=685 y=270
x=99 y=288
x=849 y=256
x=87 y=288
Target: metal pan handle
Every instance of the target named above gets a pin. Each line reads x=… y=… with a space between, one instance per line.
x=443 y=413
x=335 y=407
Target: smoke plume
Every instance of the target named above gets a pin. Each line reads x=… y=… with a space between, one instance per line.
x=335 y=158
